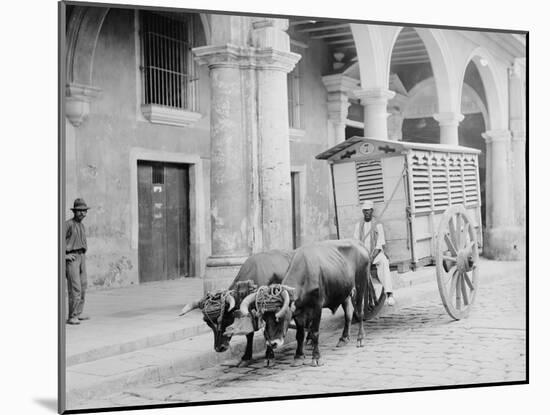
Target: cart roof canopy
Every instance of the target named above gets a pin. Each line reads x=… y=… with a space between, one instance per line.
x=384 y=148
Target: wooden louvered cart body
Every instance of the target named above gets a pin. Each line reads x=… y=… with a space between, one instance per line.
x=427 y=197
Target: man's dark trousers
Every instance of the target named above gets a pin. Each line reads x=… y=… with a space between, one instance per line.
x=77 y=283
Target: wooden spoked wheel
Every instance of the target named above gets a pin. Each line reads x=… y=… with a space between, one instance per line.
x=457 y=261
x=374 y=300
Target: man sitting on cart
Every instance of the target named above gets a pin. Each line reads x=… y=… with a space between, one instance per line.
x=374 y=240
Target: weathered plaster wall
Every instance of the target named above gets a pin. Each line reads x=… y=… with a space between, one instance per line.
x=103 y=144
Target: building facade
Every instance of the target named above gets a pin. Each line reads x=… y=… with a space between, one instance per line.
x=193 y=136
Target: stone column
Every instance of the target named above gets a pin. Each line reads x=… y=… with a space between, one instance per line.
x=448 y=127
x=375 y=102
x=338 y=87
x=273 y=60
x=396 y=117
x=229 y=167
x=503 y=238
x=250 y=154
x=517 y=127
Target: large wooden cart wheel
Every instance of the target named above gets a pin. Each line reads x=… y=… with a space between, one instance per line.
x=374 y=302
x=457 y=261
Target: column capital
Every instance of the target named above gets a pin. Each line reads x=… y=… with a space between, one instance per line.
x=448 y=118
x=373 y=95
x=493 y=136
x=77 y=101
x=232 y=56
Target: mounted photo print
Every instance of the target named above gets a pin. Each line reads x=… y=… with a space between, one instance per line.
x=263 y=207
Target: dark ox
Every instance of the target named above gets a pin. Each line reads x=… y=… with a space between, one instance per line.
x=259 y=269
x=323 y=275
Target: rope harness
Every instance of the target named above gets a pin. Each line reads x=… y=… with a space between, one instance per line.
x=213 y=305
x=269 y=298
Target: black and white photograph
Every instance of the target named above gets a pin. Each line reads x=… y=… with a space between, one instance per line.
x=274 y=207
x=269 y=207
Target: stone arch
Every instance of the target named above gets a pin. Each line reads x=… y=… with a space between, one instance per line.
x=486 y=65
x=372 y=53
x=82 y=34
x=441 y=60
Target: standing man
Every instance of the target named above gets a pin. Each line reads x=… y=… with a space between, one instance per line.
x=374 y=239
x=75 y=261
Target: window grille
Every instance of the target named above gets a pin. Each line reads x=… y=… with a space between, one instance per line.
x=370 y=184
x=167 y=67
x=158 y=173
x=294 y=94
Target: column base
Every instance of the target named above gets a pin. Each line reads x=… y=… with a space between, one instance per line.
x=221 y=271
x=505 y=243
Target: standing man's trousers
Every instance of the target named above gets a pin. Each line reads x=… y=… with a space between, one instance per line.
x=383 y=270
x=77 y=283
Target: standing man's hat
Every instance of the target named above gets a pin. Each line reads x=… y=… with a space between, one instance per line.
x=367 y=204
x=79 y=204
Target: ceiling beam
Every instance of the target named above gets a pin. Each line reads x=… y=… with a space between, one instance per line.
x=320 y=28
x=329 y=35
x=341 y=41
x=411 y=53
x=299 y=22
x=407 y=61
x=417 y=49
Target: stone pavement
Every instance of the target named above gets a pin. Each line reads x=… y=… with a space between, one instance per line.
x=412 y=345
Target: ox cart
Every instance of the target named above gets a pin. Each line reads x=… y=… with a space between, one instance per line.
x=427 y=196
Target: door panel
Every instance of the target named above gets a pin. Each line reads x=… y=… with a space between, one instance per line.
x=163 y=197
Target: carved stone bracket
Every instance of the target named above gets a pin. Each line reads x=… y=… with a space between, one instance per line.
x=77 y=102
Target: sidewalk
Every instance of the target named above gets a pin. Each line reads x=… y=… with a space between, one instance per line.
x=135 y=334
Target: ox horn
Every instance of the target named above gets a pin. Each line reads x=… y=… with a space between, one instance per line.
x=188 y=307
x=284 y=308
x=246 y=303
x=230 y=300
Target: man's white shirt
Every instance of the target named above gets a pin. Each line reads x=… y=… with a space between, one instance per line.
x=367 y=237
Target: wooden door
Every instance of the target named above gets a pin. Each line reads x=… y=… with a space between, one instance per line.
x=163 y=209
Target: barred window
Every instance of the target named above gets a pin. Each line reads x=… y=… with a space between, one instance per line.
x=167 y=66
x=294 y=92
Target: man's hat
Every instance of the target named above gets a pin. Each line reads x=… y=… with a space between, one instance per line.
x=79 y=204
x=367 y=204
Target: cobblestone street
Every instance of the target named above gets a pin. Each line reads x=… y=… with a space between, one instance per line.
x=415 y=346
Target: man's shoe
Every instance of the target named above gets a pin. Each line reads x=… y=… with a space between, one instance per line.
x=390 y=300
x=73 y=320
x=83 y=317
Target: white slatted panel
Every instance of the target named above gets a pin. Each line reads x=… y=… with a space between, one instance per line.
x=440 y=179
x=370 y=185
x=440 y=187
x=455 y=179
x=421 y=182
x=470 y=181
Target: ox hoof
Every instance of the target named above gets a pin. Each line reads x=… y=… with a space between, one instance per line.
x=298 y=361
x=316 y=362
x=360 y=343
x=342 y=341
